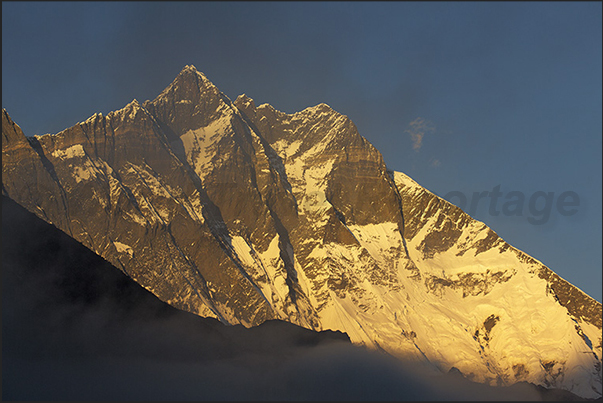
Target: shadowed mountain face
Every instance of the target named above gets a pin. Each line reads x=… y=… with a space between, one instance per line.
x=246 y=214
x=69 y=315
x=75 y=328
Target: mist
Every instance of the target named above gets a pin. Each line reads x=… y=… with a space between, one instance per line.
x=76 y=328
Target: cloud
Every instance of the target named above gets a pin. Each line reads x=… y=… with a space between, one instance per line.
x=417 y=129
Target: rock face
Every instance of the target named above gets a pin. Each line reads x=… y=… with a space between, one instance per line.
x=248 y=214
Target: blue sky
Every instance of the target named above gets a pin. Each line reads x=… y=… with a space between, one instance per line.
x=498 y=93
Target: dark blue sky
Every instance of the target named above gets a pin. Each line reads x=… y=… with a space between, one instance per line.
x=498 y=93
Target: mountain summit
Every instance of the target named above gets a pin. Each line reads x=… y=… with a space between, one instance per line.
x=246 y=214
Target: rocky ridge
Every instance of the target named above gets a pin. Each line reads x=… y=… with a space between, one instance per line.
x=248 y=214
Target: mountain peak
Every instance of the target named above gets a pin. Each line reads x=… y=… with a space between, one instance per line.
x=189 y=102
x=11 y=132
x=244 y=98
x=244 y=102
x=130 y=112
x=189 y=79
x=134 y=104
x=191 y=71
x=321 y=107
x=260 y=215
x=189 y=67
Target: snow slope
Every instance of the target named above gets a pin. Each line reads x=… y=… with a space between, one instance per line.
x=247 y=214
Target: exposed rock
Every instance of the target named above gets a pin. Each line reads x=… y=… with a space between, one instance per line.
x=248 y=214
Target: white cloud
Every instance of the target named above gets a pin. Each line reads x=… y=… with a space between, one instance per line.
x=417 y=129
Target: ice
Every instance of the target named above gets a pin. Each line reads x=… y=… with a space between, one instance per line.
x=123 y=248
x=74 y=151
x=199 y=144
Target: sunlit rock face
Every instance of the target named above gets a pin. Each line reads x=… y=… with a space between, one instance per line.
x=246 y=214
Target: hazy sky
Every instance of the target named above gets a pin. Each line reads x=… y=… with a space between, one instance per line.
x=460 y=96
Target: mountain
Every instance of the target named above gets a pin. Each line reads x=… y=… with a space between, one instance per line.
x=69 y=315
x=246 y=214
x=76 y=328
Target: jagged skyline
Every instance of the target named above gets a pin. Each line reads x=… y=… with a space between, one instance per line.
x=245 y=214
x=512 y=89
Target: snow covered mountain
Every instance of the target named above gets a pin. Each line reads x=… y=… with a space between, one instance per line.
x=247 y=214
